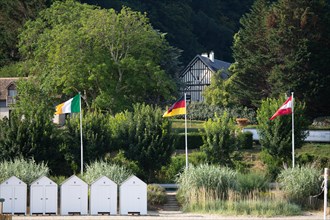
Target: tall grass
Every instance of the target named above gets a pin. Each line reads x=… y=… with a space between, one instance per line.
x=26 y=170
x=300 y=182
x=214 y=181
x=101 y=168
x=220 y=190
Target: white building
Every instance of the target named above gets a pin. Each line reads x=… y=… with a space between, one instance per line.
x=74 y=196
x=133 y=196
x=14 y=191
x=43 y=196
x=103 y=197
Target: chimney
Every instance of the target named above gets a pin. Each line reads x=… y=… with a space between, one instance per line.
x=211 y=56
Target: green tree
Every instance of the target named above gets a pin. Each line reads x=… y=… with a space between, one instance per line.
x=298 y=33
x=283 y=47
x=30 y=131
x=248 y=83
x=148 y=140
x=219 y=140
x=97 y=142
x=14 y=13
x=113 y=58
x=216 y=94
x=276 y=135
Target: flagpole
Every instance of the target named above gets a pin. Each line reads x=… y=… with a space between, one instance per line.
x=185 y=129
x=81 y=141
x=292 y=130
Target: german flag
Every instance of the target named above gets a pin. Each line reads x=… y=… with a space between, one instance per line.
x=178 y=108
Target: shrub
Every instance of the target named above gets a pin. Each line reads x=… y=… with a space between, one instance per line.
x=116 y=173
x=276 y=135
x=156 y=194
x=195 y=140
x=26 y=170
x=170 y=172
x=245 y=140
x=300 y=182
x=219 y=140
x=251 y=182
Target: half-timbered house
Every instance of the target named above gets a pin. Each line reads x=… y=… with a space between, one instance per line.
x=197 y=75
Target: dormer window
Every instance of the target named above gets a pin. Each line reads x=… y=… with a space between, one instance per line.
x=12 y=92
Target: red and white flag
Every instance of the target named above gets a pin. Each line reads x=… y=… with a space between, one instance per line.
x=285 y=109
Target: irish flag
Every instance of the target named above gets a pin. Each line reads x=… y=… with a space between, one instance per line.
x=70 y=106
x=178 y=108
x=285 y=109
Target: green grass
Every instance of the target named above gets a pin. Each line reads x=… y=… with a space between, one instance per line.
x=266 y=208
x=178 y=125
x=322 y=150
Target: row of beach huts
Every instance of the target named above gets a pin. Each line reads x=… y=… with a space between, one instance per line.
x=74 y=194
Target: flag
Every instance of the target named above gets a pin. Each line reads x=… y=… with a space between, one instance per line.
x=70 y=106
x=178 y=108
x=285 y=109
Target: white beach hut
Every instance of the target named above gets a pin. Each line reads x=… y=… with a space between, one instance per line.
x=43 y=196
x=14 y=191
x=103 y=197
x=74 y=196
x=133 y=196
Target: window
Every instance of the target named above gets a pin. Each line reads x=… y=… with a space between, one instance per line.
x=12 y=92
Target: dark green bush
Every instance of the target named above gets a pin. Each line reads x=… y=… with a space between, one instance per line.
x=249 y=182
x=195 y=140
x=245 y=140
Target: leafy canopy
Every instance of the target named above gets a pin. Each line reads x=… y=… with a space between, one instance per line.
x=113 y=58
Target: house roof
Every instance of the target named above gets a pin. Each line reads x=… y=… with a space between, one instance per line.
x=4 y=84
x=214 y=66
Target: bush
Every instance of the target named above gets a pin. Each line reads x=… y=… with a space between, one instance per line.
x=170 y=172
x=195 y=140
x=26 y=170
x=116 y=173
x=251 y=182
x=245 y=140
x=219 y=140
x=276 y=135
x=300 y=182
x=156 y=194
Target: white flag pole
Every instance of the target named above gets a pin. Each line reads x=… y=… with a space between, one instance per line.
x=325 y=193
x=81 y=140
x=185 y=129
x=292 y=130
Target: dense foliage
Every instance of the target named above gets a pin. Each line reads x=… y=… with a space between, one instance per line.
x=283 y=46
x=114 y=58
x=193 y=26
x=148 y=139
x=276 y=135
x=219 y=140
x=30 y=131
